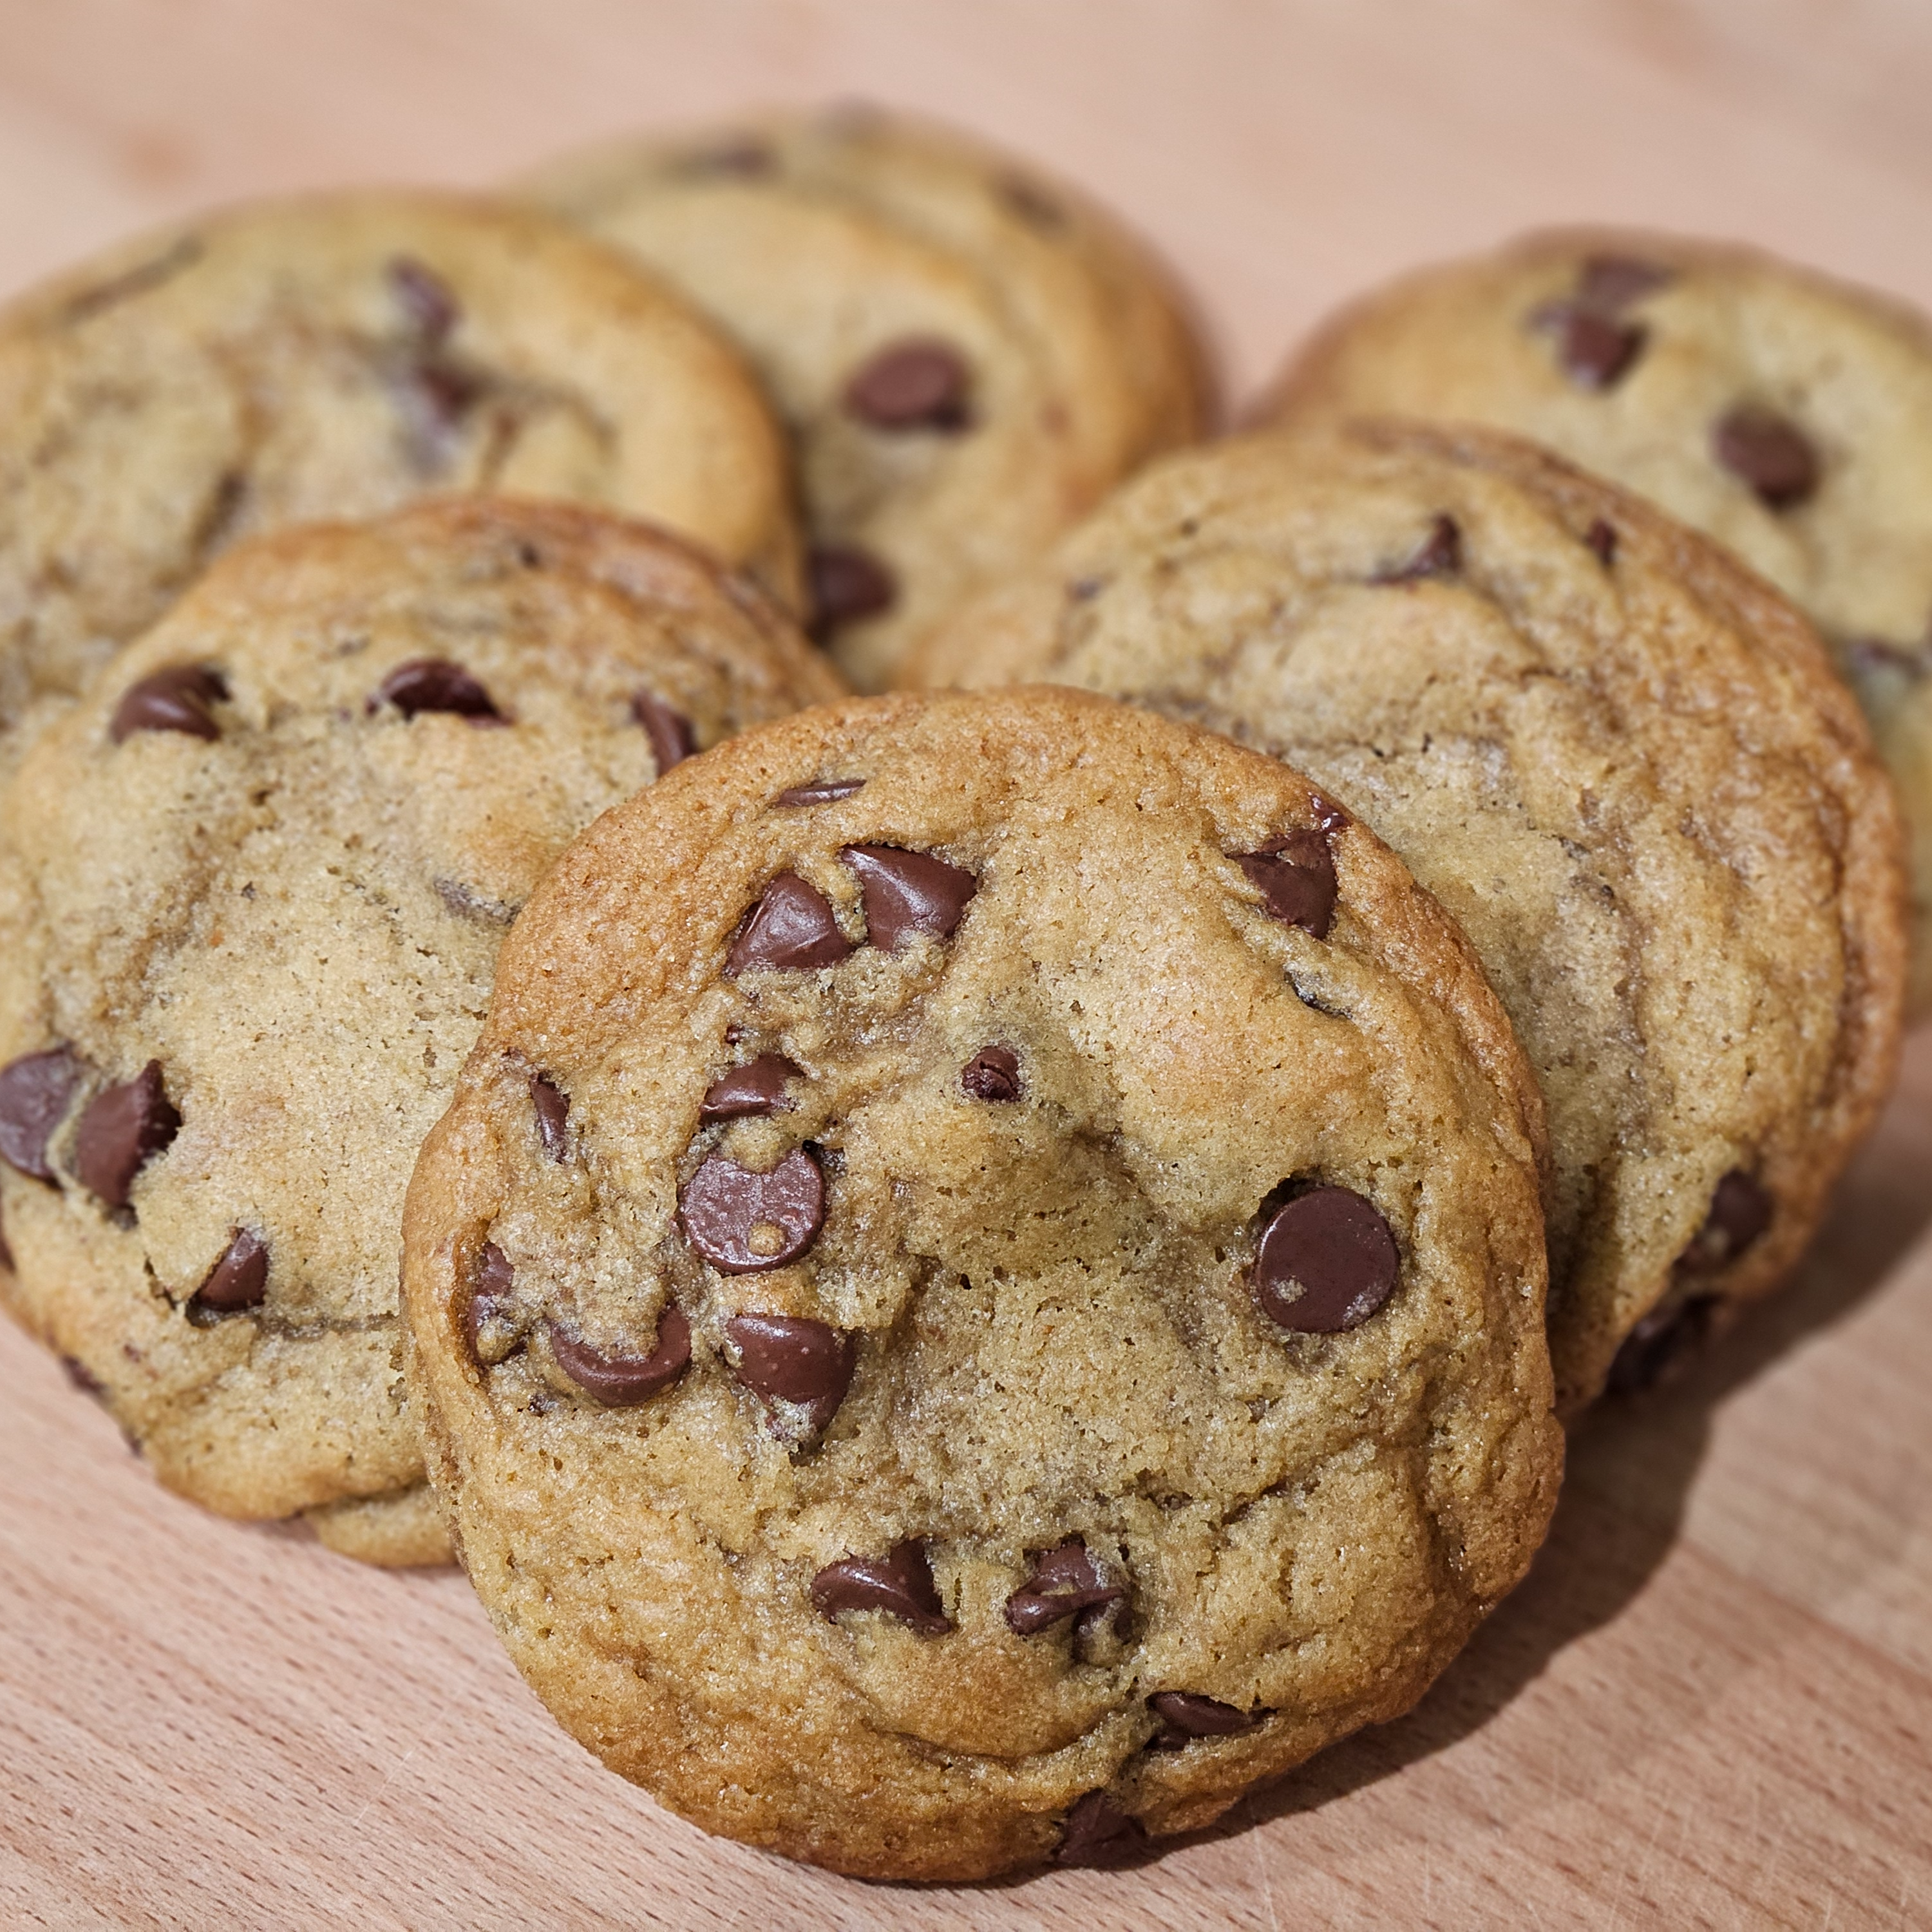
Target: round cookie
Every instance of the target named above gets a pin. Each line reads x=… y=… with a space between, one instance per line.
x=1620 y=760
x=255 y=887
x=339 y=356
x=1786 y=415
x=1030 y=1320
x=968 y=356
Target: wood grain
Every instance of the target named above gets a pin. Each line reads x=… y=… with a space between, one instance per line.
x=1712 y=1705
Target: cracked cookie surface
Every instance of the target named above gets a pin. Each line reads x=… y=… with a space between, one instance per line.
x=253 y=891
x=981 y=1291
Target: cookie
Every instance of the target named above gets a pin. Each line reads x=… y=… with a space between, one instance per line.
x=1788 y=415
x=257 y=882
x=968 y=356
x=1025 y=1317
x=1620 y=760
x=339 y=357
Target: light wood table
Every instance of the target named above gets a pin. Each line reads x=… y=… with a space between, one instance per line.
x=1711 y=1704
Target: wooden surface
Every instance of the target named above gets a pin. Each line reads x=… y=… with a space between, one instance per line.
x=1712 y=1702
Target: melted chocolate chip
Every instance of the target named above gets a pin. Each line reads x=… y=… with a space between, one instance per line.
x=791 y=1358
x=993 y=1073
x=1595 y=352
x=1609 y=283
x=177 y=699
x=743 y=1222
x=1066 y=1583
x=758 y=1086
x=623 y=1382
x=1601 y=538
x=1189 y=1715
x=1098 y=1832
x=1661 y=1344
x=791 y=927
x=1326 y=1262
x=239 y=1280
x=122 y=1129
x=34 y=1090
x=907 y=893
x=1769 y=452
x=672 y=741
x=919 y=384
x=821 y=791
x=1740 y=1212
x=1295 y=875
x=424 y=297
x=489 y=1292
x=434 y=684
x=847 y=584
x=901 y=1585
x=552 y=1113
x=1440 y=555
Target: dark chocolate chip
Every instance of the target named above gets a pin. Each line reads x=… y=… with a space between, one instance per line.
x=34 y=1090
x=1602 y=539
x=917 y=384
x=177 y=699
x=1295 y=875
x=821 y=791
x=901 y=1585
x=122 y=1129
x=1066 y=1583
x=83 y=1377
x=1740 y=1212
x=993 y=1073
x=623 y=1382
x=489 y=1292
x=791 y=1358
x=238 y=1281
x=846 y=584
x=1661 y=1344
x=1609 y=283
x=434 y=684
x=1769 y=452
x=907 y=893
x=1329 y=816
x=1595 y=352
x=743 y=1223
x=424 y=297
x=758 y=1086
x=1187 y=1714
x=552 y=1113
x=1326 y=1262
x=1098 y=1832
x=791 y=927
x=1439 y=555
x=672 y=740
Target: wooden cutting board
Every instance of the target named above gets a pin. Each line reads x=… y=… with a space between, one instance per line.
x=1710 y=1705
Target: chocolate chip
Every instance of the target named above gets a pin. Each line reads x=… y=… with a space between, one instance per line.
x=846 y=584
x=917 y=384
x=489 y=1292
x=743 y=1223
x=238 y=1281
x=83 y=1377
x=1188 y=1715
x=1329 y=816
x=1602 y=539
x=424 y=297
x=552 y=1113
x=6 y=1252
x=993 y=1073
x=434 y=684
x=670 y=732
x=1098 y=1832
x=1740 y=1212
x=901 y=1585
x=1867 y=655
x=1441 y=555
x=1295 y=875
x=821 y=791
x=1066 y=1583
x=623 y=1382
x=1326 y=1262
x=791 y=927
x=791 y=1358
x=177 y=699
x=907 y=893
x=122 y=1129
x=1661 y=1344
x=34 y=1090
x=756 y=1088
x=1769 y=452
x=1595 y=352
x=1608 y=283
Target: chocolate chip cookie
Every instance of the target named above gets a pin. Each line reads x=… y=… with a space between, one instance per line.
x=1621 y=760
x=339 y=357
x=257 y=882
x=981 y=1291
x=1786 y=415
x=968 y=355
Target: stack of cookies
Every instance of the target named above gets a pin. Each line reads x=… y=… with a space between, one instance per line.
x=982 y=1268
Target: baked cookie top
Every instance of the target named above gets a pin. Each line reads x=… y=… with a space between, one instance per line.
x=968 y=355
x=1786 y=415
x=1620 y=760
x=257 y=883
x=339 y=356
x=981 y=1291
